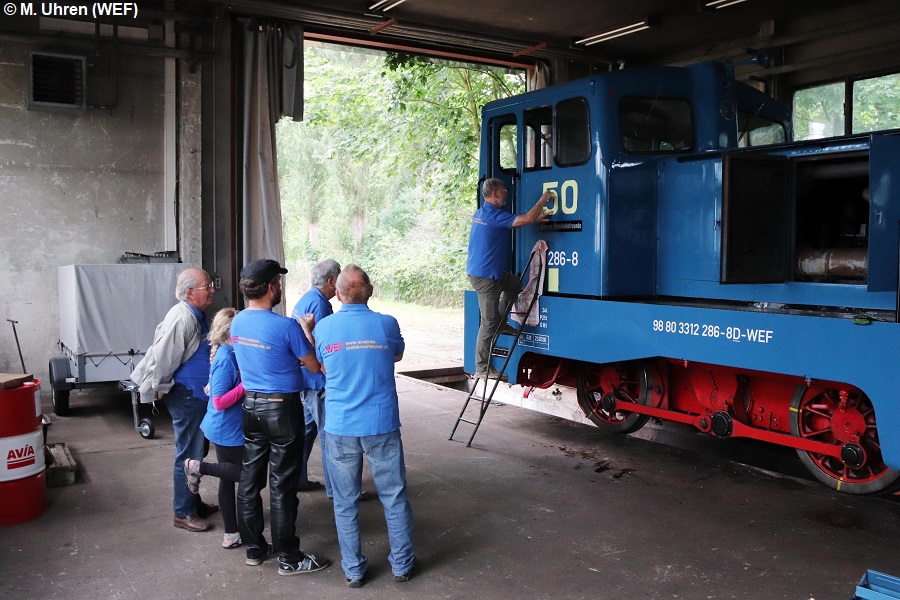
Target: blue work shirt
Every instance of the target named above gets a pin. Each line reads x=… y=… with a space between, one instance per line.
x=223 y=427
x=357 y=347
x=194 y=372
x=315 y=302
x=267 y=347
x=489 y=242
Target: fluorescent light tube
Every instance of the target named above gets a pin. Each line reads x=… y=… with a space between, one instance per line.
x=722 y=3
x=609 y=35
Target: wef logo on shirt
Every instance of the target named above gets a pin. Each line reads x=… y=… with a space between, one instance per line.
x=20 y=457
x=337 y=347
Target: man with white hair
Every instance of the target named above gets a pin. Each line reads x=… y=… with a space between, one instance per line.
x=176 y=367
x=316 y=301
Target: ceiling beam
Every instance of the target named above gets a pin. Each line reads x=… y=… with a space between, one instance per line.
x=417 y=37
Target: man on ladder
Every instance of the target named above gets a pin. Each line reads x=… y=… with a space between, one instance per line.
x=489 y=246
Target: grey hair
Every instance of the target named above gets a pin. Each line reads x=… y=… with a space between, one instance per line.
x=186 y=280
x=491 y=186
x=324 y=270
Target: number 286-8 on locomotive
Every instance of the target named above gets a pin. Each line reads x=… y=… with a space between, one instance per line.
x=704 y=269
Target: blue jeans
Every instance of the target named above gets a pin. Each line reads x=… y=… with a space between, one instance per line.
x=314 y=417
x=187 y=412
x=385 y=457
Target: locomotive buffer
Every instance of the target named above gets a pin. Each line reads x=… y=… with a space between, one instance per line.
x=479 y=391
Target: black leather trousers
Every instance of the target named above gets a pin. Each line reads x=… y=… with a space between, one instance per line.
x=273 y=441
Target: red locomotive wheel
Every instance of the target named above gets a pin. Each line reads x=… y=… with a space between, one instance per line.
x=840 y=418
x=631 y=381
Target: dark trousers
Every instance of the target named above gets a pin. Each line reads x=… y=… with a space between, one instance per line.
x=494 y=295
x=228 y=470
x=273 y=440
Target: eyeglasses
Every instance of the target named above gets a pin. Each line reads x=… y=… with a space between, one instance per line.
x=209 y=286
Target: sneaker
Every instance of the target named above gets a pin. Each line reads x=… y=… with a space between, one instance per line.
x=231 y=540
x=309 y=564
x=192 y=474
x=257 y=557
x=492 y=373
x=507 y=329
x=354 y=583
x=408 y=575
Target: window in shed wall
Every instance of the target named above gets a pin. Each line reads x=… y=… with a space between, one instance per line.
x=819 y=112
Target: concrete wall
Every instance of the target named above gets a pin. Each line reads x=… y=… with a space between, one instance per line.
x=75 y=187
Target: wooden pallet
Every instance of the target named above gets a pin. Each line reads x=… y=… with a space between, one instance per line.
x=60 y=465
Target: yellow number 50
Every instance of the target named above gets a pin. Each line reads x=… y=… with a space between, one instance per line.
x=566 y=199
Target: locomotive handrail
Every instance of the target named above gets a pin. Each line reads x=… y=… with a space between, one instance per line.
x=897 y=311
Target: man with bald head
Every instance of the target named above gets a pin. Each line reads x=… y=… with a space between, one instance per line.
x=176 y=367
x=358 y=348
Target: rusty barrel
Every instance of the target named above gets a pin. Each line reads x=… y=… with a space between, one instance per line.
x=23 y=482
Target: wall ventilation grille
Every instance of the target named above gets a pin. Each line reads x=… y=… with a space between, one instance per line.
x=56 y=81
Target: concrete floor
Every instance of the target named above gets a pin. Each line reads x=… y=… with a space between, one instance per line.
x=539 y=508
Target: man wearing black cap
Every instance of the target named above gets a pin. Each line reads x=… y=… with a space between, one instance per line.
x=270 y=349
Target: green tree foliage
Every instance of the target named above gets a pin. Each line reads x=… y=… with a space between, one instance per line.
x=384 y=169
x=819 y=112
x=876 y=103
x=875 y=106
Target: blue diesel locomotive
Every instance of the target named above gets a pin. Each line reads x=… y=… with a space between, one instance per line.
x=702 y=268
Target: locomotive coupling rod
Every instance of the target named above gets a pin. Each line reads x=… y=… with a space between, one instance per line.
x=739 y=429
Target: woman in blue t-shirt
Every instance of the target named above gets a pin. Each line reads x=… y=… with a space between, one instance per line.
x=222 y=425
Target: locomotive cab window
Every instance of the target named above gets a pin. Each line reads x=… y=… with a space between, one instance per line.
x=757 y=130
x=507 y=147
x=538 y=138
x=650 y=124
x=573 y=132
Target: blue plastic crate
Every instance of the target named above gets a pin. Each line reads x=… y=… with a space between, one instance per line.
x=878 y=586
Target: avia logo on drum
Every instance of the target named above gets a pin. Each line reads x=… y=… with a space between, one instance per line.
x=20 y=457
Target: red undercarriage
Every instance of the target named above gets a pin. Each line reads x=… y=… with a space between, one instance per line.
x=832 y=425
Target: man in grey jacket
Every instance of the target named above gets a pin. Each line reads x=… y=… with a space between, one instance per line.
x=176 y=367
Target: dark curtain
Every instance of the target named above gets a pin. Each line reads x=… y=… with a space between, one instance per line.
x=272 y=88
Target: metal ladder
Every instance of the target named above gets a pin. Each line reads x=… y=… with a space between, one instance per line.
x=483 y=399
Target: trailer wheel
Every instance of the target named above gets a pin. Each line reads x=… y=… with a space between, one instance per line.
x=632 y=381
x=146 y=429
x=59 y=387
x=845 y=418
x=60 y=402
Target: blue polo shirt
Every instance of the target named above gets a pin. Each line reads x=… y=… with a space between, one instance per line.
x=267 y=347
x=357 y=346
x=315 y=302
x=223 y=427
x=194 y=372
x=489 y=242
